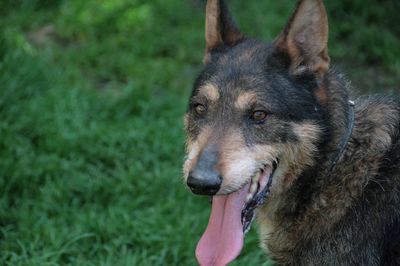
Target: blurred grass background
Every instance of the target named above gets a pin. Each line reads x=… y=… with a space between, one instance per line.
x=92 y=95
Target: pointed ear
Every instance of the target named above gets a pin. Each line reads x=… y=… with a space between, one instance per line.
x=220 y=27
x=305 y=38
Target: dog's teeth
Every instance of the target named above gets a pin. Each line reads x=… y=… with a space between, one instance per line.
x=253 y=188
x=249 y=197
x=254 y=179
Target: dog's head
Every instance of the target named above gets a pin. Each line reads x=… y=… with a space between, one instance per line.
x=254 y=119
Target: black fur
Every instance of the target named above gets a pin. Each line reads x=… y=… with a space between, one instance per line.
x=314 y=215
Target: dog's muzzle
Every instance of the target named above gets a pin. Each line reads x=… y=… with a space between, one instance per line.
x=204 y=179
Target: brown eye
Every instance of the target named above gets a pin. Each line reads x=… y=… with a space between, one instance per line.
x=200 y=109
x=258 y=116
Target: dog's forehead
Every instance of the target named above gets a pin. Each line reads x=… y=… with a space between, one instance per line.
x=241 y=95
x=247 y=52
x=210 y=91
x=253 y=72
x=236 y=69
x=238 y=90
x=245 y=60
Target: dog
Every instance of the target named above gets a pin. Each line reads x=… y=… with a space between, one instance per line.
x=272 y=134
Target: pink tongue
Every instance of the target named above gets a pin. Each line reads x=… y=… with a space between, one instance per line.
x=222 y=241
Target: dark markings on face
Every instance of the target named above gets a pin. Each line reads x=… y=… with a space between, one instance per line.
x=252 y=77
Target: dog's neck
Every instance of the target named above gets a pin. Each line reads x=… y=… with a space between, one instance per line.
x=331 y=149
x=340 y=110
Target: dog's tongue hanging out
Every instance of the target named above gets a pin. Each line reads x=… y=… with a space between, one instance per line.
x=222 y=241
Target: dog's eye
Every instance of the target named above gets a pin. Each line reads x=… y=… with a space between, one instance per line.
x=258 y=116
x=200 y=109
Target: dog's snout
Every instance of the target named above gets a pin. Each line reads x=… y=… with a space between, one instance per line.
x=204 y=179
x=204 y=183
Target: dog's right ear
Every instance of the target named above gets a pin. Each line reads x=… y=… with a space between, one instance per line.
x=220 y=28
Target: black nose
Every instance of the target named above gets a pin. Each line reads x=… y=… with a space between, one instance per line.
x=205 y=184
x=204 y=179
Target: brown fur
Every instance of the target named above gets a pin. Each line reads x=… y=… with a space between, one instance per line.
x=210 y=92
x=194 y=149
x=245 y=99
x=372 y=130
x=315 y=214
x=220 y=29
x=294 y=38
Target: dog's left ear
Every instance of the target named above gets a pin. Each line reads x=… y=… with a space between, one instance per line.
x=220 y=27
x=305 y=38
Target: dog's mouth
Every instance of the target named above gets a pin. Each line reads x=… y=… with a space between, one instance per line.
x=259 y=189
x=231 y=217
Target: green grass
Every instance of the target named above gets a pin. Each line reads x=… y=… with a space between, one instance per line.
x=91 y=141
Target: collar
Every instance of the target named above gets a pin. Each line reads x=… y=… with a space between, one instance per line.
x=345 y=140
